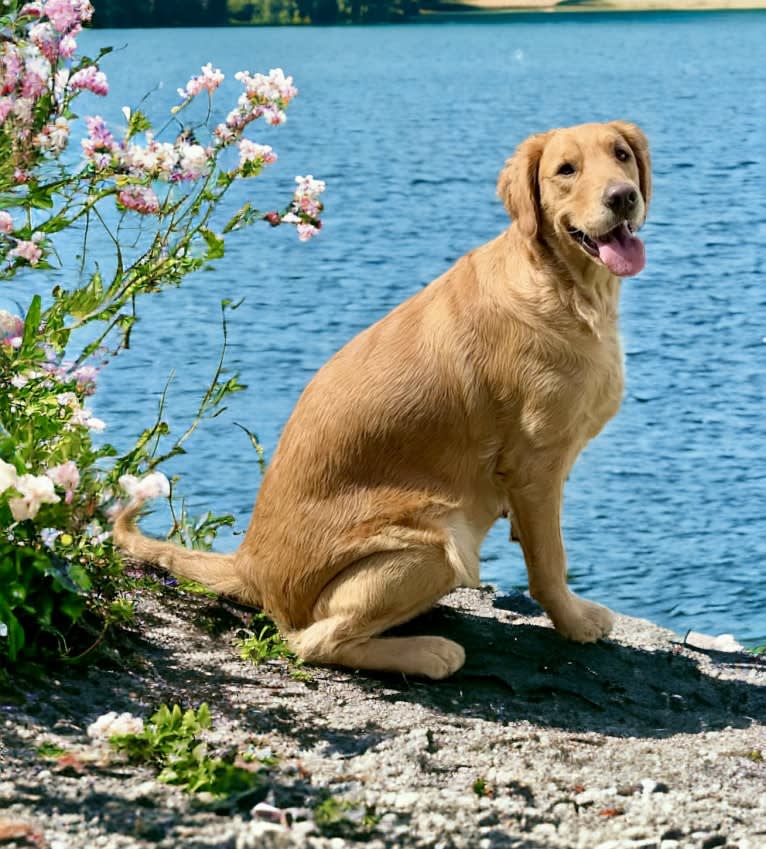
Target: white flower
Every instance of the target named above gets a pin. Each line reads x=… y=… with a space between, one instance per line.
x=113 y=724
x=194 y=160
x=49 y=536
x=85 y=417
x=149 y=486
x=35 y=490
x=8 y=476
x=96 y=533
x=3 y=629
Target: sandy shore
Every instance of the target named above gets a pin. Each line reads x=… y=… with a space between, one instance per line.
x=556 y=6
x=638 y=742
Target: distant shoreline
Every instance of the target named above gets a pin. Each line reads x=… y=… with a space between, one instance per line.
x=557 y=7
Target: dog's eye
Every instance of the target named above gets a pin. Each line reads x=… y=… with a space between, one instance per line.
x=566 y=169
x=622 y=154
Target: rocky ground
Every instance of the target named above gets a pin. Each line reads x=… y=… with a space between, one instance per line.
x=636 y=742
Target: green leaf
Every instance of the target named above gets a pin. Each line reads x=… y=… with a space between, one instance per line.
x=215 y=244
x=32 y=322
x=84 y=301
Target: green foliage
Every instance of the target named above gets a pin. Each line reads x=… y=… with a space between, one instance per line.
x=481 y=788
x=264 y=642
x=342 y=818
x=320 y=11
x=50 y=751
x=41 y=595
x=61 y=581
x=758 y=650
x=171 y=743
x=168 y=13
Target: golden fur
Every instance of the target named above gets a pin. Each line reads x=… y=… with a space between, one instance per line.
x=468 y=402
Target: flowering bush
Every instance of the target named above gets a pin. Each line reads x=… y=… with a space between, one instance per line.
x=58 y=573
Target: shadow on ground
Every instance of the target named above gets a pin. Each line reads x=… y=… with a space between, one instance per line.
x=525 y=671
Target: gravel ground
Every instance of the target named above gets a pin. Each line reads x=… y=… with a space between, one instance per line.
x=635 y=743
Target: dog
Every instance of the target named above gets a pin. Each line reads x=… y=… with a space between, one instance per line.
x=468 y=402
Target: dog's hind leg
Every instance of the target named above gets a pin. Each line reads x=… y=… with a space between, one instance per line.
x=374 y=594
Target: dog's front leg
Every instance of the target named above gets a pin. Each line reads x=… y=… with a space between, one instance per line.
x=537 y=523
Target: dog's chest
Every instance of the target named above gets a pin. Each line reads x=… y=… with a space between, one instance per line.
x=574 y=392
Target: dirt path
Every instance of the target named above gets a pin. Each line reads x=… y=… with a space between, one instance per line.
x=537 y=743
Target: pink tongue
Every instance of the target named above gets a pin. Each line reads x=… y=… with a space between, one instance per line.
x=622 y=252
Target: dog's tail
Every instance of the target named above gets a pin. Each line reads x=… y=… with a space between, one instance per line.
x=218 y=572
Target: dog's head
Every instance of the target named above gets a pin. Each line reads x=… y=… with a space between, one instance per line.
x=587 y=188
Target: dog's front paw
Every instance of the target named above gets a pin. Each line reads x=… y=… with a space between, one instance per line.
x=581 y=620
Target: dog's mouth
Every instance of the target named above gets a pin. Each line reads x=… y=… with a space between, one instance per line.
x=621 y=251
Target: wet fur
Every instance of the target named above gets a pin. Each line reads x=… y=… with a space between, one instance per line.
x=469 y=401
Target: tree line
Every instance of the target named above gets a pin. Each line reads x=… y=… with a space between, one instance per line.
x=212 y=13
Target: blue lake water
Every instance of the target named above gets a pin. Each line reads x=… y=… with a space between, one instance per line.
x=409 y=126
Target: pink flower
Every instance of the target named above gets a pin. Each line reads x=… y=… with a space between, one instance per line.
x=22 y=108
x=90 y=79
x=12 y=67
x=31 y=10
x=208 y=80
x=274 y=116
x=272 y=88
x=11 y=329
x=33 y=85
x=255 y=154
x=264 y=96
x=141 y=199
x=45 y=39
x=224 y=134
x=6 y=107
x=306 y=231
x=67 y=47
x=66 y=15
x=100 y=146
x=86 y=379
x=306 y=196
x=67 y=477
x=28 y=250
x=6 y=223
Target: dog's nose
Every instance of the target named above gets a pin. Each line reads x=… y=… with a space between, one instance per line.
x=621 y=198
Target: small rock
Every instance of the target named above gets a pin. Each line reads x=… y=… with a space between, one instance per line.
x=723 y=642
x=649 y=786
x=544 y=829
x=406 y=799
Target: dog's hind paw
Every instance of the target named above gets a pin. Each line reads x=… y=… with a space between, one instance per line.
x=432 y=657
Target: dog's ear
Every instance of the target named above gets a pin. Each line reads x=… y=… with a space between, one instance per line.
x=518 y=185
x=640 y=147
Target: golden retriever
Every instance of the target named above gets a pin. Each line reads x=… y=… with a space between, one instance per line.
x=468 y=402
